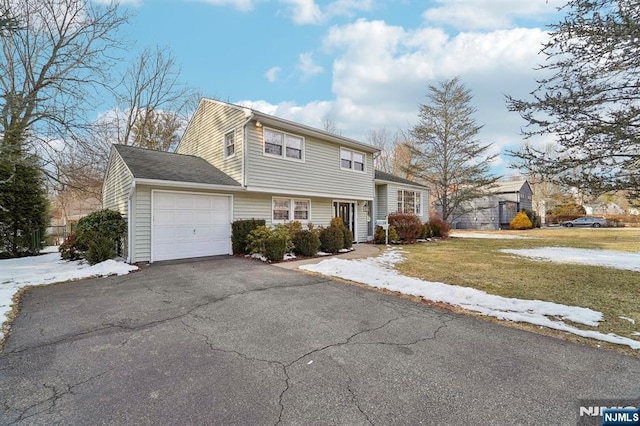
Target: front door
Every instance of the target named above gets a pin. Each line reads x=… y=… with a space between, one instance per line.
x=346 y=211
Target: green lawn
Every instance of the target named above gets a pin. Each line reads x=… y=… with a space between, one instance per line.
x=478 y=263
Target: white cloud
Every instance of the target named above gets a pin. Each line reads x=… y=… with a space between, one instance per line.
x=307 y=67
x=272 y=74
x=381 y=74
x=310 y=114
x=242 y=5
x=304 y=12
x=488 y=14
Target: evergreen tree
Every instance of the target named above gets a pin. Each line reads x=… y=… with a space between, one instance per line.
x=591 y=102
x=23 y=206
x=445 y=152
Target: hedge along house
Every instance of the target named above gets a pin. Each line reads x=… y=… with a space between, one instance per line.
x=497 y=209
x=237 y=163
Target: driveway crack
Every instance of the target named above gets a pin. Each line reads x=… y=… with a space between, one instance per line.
x=53 y=399
x=123 y=326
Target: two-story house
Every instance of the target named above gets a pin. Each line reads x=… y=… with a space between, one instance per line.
x=238 y=163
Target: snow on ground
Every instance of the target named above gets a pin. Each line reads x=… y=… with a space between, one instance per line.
x=379 y=272
x=609 y=258
x=48 y=268
x=454 y=234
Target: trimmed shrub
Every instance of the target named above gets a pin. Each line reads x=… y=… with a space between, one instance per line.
x=96 y=238
x=533 y=217
x=272 y=244
x=100 y=249
x=436 y=228
x=348 y=239
x=276 y=248
x=68 y=249
x=379 y=236
x=331 y=239
x=240 y=230
x=293 y=227
x=521 y=221
x=408 y=226
x=347 y=235
x=103 y=223
x=306 y=243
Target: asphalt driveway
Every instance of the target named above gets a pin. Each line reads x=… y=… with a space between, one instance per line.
x=234 y=341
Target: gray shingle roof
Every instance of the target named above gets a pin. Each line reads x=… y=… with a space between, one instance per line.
x=160 y=165
x=380 y=175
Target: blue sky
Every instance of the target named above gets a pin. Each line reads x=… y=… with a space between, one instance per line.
x=364 y=64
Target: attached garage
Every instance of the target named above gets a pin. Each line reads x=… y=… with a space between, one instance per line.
x=189 y=225
x=177 y=206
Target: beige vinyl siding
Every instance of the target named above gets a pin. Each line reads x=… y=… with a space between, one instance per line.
x=382 y=208
x=319 y=173
x=142 y=237
x=361 y=224
x=258 y=206
x=115 y=192
x=117 y=185
x=204 y=136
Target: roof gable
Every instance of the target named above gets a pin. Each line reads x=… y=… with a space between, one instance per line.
x=512 y=186
x=388 y=177
x=159 y=165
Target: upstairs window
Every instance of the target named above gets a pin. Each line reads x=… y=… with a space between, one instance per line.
x=281 y=144
x=410 y=202
x=351 y=160
x=229 y=144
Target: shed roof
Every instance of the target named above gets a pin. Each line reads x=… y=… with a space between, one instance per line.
x=511 y=186
x=159 y=165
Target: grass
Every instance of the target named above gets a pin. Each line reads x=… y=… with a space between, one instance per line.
x=478 y=263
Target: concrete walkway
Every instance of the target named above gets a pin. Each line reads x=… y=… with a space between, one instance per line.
x=361 y=251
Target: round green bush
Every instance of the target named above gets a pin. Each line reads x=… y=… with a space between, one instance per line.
x=331 y=239
x=103 y=223
x=276 y=247
x=306 y=243
x=100 y=249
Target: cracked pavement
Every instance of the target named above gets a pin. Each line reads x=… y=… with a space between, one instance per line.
x=234 y=341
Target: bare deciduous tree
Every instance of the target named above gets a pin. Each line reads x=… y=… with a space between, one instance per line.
x=150 y=86
x=51 y=66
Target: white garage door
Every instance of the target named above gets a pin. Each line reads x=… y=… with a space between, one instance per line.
x=190 y=225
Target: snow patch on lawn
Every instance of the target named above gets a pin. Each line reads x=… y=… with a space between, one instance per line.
x=48 y=268
x=379 y=272
x=608 y=258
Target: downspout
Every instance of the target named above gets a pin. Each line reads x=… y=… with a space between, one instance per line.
x=245 y=135
x=130 y=220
